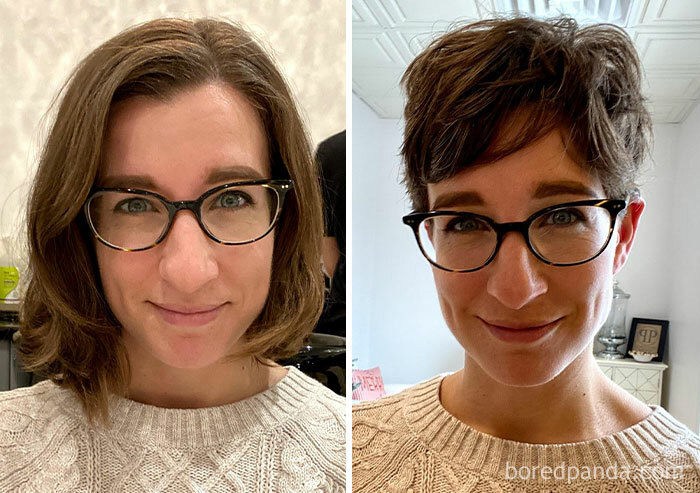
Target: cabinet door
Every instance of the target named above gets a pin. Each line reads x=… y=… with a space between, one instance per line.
x=643 y=384
x=608 y=371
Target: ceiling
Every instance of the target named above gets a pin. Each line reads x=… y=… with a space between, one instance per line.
x=388 y=34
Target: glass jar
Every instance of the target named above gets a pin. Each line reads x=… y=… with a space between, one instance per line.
x=613 y=333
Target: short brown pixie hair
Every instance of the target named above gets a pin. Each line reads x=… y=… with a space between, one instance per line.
x=68 y=332
x=464 y=89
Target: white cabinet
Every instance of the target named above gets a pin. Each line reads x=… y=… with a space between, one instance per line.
x=642 y=380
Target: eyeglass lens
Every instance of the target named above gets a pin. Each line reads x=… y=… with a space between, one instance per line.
x=132 y=221
x=564 y=236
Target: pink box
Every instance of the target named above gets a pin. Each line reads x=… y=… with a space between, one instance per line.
x=371 y=384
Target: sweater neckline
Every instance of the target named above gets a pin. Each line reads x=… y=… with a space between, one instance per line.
x=445 y=435
x=134 y=421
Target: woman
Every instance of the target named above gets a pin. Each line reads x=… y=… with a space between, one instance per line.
x=174 y=231
x=522 y=143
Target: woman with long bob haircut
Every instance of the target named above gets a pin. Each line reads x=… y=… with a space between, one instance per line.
x=175 y=226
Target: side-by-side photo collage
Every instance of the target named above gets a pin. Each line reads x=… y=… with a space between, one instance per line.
x=333 y=246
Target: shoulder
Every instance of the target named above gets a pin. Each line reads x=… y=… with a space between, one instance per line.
x=320 y=401
x=37 y=427
x=318 y=411
x=382 y=434
x=380 y=411
x=23 y=410
x=312 y=439
x=682 y=445
x=389 y=410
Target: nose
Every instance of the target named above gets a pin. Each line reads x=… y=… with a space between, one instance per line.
x=514 y=277
x=187 y=259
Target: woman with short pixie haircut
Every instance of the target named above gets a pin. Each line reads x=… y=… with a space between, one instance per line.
x=522 y=143
x=175 y=226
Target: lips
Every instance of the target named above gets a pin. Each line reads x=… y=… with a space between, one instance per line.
x=520 y=332
x=187 y=309
x=518 y=325
x=188 y=315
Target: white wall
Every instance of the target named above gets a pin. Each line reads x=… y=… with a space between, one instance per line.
x=397 y=323
x=683 y=380
x=645 y=276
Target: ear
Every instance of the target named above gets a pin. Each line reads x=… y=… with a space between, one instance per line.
x=429 y=229
x=626 y=231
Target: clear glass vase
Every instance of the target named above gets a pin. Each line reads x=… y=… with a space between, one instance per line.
x=613 y=333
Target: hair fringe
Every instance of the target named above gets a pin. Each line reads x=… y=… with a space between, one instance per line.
x=469 y=85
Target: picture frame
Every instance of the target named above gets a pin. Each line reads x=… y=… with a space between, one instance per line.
x=648 y=335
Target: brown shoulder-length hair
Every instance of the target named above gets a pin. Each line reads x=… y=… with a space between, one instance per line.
x=68 y=333
x=469 y=86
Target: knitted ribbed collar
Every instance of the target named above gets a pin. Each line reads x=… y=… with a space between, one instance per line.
x=204 y=427
x=443 y=434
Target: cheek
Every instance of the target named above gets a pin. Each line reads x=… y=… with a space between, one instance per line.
x=592 y=281
x=247 y=270
x=121 y=273
x=594 y=286
x=458 y=293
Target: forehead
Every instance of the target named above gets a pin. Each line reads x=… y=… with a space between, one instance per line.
x=179 y=145
x=534 y=173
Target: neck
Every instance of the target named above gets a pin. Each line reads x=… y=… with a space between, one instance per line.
x=578 y=404
x=215 y=385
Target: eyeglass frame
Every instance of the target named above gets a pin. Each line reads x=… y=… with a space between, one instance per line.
x=613 y=206
x=281 y=188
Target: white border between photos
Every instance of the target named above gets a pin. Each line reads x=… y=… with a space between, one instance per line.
x=348 y=245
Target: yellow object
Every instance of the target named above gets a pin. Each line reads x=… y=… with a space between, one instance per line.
x=9 y=278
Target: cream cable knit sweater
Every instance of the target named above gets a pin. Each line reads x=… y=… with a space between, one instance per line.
x=409 y=443
x=290 y=438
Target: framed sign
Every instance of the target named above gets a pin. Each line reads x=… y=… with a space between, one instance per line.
x=648 y=335
x=367 y=385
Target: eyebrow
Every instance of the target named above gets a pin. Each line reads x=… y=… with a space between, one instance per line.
x=230 y=173
x=543 y=190
x=550 y=189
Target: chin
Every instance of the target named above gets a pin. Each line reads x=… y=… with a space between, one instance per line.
x=193 y=352
x=521 y=371
x=522 y=378
x=191 y=361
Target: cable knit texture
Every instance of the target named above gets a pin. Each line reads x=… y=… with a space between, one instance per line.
x=290 y=438
x=409 y=443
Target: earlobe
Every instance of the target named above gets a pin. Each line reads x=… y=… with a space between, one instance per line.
x=626 y=232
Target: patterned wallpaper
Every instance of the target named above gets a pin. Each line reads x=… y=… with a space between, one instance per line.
x=41 y=41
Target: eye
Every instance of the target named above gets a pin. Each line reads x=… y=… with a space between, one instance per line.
x=465 y=225
x=232 y=199
x=134 y=206
x=563 y=217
